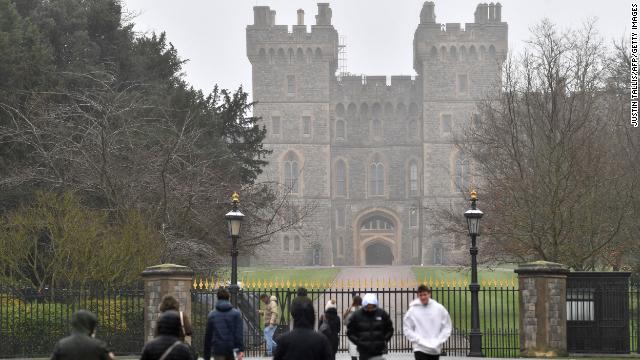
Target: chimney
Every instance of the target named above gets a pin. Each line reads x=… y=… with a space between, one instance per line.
x=300 y=17
x=261 y=16
x=498 y=11
x=492 y=15
x=428 y=15
x=273 y=17
x=324 y=14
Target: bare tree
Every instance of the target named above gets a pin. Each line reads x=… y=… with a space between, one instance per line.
x=547 y=155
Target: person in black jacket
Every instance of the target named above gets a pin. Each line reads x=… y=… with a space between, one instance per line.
x=329 y=325
x=302 y=343
x=224 y=330
x=300 y=300
x=81 y=344
x=167 y=340
x=370 y=328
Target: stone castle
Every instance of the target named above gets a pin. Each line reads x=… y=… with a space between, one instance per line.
x=375 y=155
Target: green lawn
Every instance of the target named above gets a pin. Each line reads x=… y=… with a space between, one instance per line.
x=441 y=276
x=297 y=276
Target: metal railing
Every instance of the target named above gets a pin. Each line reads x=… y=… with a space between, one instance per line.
x=32 y=322
x=498 y=315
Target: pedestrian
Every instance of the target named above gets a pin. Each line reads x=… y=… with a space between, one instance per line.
x=355 y=306
x=370 y=328
x=223 y=336
x=302 y=343
x=427 y=325
x=329 y=326
x=302 y=299
x=82 y=344
x=167 y=345
x=169 y=302
x=271 y=318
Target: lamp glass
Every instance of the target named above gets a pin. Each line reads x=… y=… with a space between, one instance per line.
x=234 y=226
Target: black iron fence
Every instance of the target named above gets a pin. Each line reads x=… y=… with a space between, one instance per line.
x=498 y=315
x=32 y=322
x=634 y=317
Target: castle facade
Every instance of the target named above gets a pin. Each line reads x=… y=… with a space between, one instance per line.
x=375 y=155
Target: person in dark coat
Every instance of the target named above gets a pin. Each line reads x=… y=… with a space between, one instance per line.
x=300 y=300
x=81 y=344
x=370 y=328
x=302 y=342
x=167 y=340
x=224 y=330
x=332 y=327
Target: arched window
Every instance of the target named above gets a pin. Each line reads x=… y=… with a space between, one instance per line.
x=453 y=53
x=438 y=254
x=341 y=178
x=286 y=244
x=492 y=52
x=462 y=173
x=300 y=56
x=377 y=222
x=413 y=178
x=433 y=53
x=296 y=243
x=291 y=172
x=262 y=55
x=272 y=56
x=376 y=179
x=340 y=130
x=413 y=217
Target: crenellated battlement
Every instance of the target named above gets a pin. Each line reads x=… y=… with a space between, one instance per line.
x=373 y=84
x=266 y=39
x=484 y=39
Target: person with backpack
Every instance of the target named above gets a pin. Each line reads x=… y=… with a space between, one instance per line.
x=82 y=344
x=329 y=326
x=223 y=336
x=355 y=306
x=167 y=345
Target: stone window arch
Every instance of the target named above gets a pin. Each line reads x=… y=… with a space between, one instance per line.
x=463 y=172
x=376 y=110
x=434 y=53
x=341 y=178
x=388 y=109
x=296 y=243
x=483 y=52
x=413 y=175
x=492 y=52
x=281 y=56
x=473 y=55
x=286 y=243
x=309 y=55
x=351 y=110
x=340 y=110
x=377 y=223
x=318 y=54
x=291 y=175
x=262 y=55
x=453 y=53
x=443 y=53
x=341 y=132
x=272 y=56
x=376 y=177
x=463 y=53
x=300 y=56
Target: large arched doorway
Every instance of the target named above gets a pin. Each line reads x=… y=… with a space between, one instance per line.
x=377 y=237
x=378 y=254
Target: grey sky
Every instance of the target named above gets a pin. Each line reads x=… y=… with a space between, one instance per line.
x=379 y=33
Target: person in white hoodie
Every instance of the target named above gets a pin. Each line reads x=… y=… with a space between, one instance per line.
x=427 y=325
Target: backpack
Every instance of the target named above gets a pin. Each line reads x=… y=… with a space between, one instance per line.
x=325 y=329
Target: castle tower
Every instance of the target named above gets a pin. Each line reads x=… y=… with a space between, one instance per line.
x=458 y=67
x=292 y=76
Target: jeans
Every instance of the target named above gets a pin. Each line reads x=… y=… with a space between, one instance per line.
x=268 y=338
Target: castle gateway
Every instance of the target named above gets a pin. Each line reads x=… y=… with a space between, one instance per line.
x=374 y=156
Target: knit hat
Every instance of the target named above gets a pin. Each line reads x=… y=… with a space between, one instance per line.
x=331 y=304
x=370 y=299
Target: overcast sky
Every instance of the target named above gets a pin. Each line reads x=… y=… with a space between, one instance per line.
x=378 y=33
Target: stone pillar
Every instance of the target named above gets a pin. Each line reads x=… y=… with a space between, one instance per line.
x=161 y=280
x=543 y=309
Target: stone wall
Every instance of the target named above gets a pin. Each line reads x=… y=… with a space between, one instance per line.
x=543 y=309
x=161 y=280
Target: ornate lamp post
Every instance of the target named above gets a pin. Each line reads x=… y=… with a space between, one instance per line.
x=473 y=217
x=234 y=221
